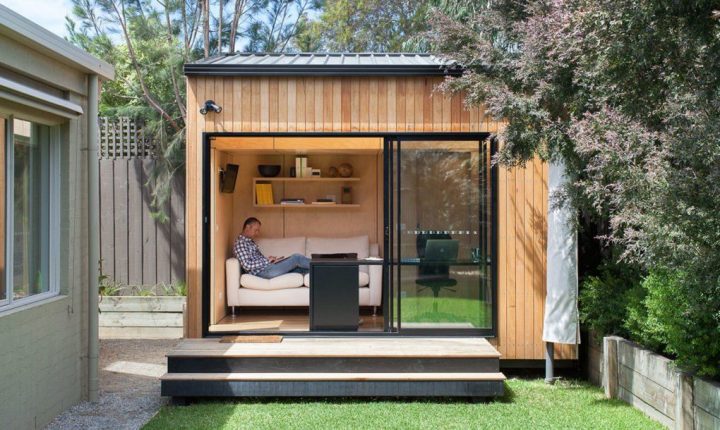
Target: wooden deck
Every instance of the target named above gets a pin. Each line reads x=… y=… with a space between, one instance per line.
x=327 y=367
x=290 y=320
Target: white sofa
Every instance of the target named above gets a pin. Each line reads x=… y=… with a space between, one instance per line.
x=291 y=289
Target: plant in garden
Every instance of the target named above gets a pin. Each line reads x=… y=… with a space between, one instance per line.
x=627 y=94
x=604 y=298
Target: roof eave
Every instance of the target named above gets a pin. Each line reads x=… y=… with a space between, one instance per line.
x=26 y=32
x=318 y=70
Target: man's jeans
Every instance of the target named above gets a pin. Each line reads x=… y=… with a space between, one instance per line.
x=296 y=263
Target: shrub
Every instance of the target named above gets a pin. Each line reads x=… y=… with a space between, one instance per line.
x=668 y=311
x=603 y=298
x=641 y=324
x=683 y=315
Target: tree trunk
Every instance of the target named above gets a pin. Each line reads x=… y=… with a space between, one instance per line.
x=219 y=29
x=206 y=27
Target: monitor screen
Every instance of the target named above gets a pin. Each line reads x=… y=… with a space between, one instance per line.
x=227 y=181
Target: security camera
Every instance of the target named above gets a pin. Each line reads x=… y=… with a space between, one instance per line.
x=210 y=106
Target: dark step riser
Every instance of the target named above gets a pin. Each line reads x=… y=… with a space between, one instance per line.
x=331 y=365
x=332 y=388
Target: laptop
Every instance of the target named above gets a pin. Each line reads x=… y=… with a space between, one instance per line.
x=441 y=250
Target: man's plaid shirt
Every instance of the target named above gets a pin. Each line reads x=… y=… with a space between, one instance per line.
x=249 y=255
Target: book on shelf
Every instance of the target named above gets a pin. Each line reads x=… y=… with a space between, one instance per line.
x=324 y=203
x=264 y=194
x=301 y=166
x=291 y=201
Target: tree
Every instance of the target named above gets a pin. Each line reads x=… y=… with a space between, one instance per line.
x=148 y=41
x=367 y=25
x=627 y=93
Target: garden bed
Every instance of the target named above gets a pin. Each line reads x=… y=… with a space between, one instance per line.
x=653 y=384
x=141 y=317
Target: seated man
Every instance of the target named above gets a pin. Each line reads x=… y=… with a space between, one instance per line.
x=252 y=261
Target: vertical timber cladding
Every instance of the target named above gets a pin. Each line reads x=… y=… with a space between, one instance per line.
x=379 y=104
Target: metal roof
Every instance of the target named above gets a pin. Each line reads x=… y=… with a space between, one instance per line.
x=322 y=64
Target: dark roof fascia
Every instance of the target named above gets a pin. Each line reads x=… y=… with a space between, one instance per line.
x=317 y=70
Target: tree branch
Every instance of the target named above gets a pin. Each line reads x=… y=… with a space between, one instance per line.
x=133 y=58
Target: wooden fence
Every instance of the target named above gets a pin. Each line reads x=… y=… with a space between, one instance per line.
x=135 y=248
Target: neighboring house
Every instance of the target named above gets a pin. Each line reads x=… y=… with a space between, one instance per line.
x=48 y=107
x=423 y=251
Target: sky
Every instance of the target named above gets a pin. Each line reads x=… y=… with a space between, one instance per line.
x=49 y=14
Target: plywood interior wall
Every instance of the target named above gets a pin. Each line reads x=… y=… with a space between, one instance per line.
x=319 y=222
x=221 y=214
x=231 y=210
x=380 y=104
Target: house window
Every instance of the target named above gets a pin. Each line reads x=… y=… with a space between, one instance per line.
x=30 y=195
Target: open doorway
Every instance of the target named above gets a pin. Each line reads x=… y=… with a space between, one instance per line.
x=319 y=196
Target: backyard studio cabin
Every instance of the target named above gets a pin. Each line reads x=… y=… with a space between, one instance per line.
x=460 y=244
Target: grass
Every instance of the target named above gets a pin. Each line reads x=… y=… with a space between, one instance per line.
x=429 y=309
x=528 y=404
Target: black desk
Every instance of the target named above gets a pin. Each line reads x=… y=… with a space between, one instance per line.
x=334 y=293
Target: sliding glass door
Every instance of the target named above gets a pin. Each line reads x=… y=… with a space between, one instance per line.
x=440 y=234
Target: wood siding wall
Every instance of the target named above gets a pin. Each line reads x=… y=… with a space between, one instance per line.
x=403 y=104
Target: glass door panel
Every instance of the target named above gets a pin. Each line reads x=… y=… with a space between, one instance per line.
x=441 y=237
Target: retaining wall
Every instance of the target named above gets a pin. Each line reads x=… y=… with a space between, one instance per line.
x=652 y=383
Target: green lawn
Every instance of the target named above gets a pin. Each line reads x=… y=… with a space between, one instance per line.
x=527 y=405
x=428 y=309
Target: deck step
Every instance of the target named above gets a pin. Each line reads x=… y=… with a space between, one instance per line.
x=495 y=376
x=235 y=364
x=334 y=367
x=341 y=347
x=189 y=385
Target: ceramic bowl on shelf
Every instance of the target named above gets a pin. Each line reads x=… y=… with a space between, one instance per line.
x=268 y=170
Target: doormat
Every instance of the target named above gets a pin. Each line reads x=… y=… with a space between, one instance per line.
x=273 y=338
x=255 y=325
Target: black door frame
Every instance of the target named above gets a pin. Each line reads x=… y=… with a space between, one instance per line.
x=392 y=168
x=387 y=266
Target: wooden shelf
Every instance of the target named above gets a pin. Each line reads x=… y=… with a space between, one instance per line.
x=305 y=179
x=309 y=205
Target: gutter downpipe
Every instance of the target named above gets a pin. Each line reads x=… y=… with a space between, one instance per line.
x=93 y=236
x=549 y=363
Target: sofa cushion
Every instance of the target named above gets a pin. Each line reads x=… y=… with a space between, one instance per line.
x=321 y=245
x=282 y=247
x=288 y=280
x=363 y=279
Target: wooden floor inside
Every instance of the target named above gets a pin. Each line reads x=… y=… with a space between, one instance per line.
x=284 y=320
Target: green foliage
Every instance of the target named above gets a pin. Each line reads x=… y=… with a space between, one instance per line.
x=682 y=320
x=176 y=289
x=148 y=43
x=604 y=298
x=627 y=94
x=660 y=311
x=368 y=25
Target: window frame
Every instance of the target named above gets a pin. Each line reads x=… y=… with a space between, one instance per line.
x=52 y=194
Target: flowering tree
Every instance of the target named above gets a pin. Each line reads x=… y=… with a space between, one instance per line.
x=627 y=93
